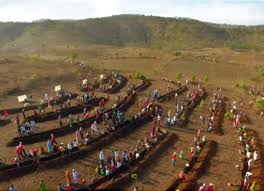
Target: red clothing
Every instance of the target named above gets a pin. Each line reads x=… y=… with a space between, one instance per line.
x=34 y=151
x=210 y=188
x=52 y=139
x=182 y=176
x=6 y=114
x=19 y=150
x=174 y=157
x=17 y=119
x=21 y=146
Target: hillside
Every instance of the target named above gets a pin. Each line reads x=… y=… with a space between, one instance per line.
x=125 y=30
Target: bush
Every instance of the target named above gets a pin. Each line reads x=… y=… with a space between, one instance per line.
x=260 y=103
x=73 y=56
x=229 y=115
x=243 y=86
x=193 y=78
x=206 y=78
x=262 y=72
x=178 y=76
x=35 y=57
x=138 y=75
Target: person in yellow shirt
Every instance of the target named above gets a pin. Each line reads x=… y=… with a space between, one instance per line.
x=68 y=177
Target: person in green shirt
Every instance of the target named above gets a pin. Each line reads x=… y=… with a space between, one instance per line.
x=43 y=186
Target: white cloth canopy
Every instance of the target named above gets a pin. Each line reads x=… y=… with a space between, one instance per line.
x=57 y=88
x=85 y=81
x=22 y=98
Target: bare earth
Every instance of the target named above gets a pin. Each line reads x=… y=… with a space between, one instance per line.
x=224 y=68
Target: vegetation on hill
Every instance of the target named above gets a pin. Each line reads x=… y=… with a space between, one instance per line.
x=126 y=30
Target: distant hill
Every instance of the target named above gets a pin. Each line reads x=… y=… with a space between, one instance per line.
x=126 y=30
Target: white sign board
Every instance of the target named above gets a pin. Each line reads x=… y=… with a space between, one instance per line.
x=22 y=98
x=57 y=88
x=85 y=82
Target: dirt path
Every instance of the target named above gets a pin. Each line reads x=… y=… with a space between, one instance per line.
x=162 y=166
x=223 y=165
x=222 y=169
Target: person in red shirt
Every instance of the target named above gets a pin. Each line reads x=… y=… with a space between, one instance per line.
x=173 y=158
x=22 y=148
x=5 y=113
x=210 y=187
x=52 y=139
x=17 y=120
x=19 y=153
x=182 y=176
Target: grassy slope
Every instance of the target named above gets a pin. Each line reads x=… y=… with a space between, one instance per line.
x=125 y=30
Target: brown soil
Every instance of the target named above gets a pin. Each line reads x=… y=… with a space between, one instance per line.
x=228 y=69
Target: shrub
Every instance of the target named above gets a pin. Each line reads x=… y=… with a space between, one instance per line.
x=229 y=115
x=193 y=78
x=260 y=103
x=206 y=78
x=262 y=72
x=73 y=56
x=243 y=86
x=179 y=76
x=138 y=75
x=35 y=57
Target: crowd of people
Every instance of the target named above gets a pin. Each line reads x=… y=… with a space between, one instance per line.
x=25 y=128
x=181 y=107
x=214 y=110
x=116 y=160
x=109 y=81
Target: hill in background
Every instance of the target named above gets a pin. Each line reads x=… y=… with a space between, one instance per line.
x=129 y=30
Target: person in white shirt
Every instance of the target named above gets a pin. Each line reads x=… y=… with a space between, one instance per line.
x=74 y=176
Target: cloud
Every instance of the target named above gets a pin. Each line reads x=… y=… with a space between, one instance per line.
x=248 y=12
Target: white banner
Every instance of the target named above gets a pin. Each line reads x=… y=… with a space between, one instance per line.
x=22 y=98
x=57 y=88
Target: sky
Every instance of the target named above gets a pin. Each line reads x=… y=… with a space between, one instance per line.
x=240 y=12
